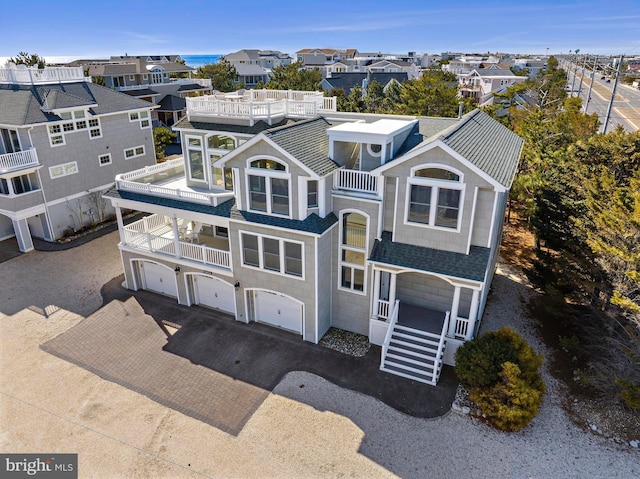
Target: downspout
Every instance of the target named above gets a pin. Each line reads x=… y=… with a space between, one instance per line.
x=44 y=198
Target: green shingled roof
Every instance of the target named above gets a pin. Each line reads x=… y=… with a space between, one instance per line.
x=486 y=143
x=308 y=142
x=471 y=266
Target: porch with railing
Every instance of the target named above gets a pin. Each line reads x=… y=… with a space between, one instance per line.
x=155 y=233
x=168 y=181
x=18 y=160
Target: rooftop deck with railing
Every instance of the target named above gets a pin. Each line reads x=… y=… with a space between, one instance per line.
x=205 y=83
x=23 y=75
x=267 y=105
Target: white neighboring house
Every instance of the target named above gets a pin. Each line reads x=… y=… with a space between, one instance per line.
x=254 y=66
x=481 y=83
x=286 y=212
x=62 y=141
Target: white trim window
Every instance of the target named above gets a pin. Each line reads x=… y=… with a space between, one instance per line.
x=142 y=117
x=104 y=160
x=268 y=186
x=353 y=250
x=435 y=195
x=272 y=254
x=195 y=158
x=133 y=152
x=94 y=128
x=56 y=136
x=312 y=194
x=64 y=169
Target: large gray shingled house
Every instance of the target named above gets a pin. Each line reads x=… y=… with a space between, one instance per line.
x=62 y=141
x=286 y=212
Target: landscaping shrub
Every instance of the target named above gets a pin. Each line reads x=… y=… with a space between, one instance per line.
x=501 y=372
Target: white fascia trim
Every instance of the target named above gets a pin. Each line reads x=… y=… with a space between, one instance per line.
x=440 y=144
x=24 y=214
x=453 y=280
x=476 y=188
x=316 y=292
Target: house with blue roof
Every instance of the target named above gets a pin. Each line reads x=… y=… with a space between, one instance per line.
x=285 y=212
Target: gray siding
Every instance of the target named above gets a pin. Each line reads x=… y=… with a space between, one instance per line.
x=250 y=277
x=425 y=291
x=6 y=227
x=325 y=275
x=21 y=202
x=483 y=218
x=118 y=134
x=431 y=237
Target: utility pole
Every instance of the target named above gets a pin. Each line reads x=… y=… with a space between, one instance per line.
x=613 y=94
x=593 y=77
x=584 y=65
x=575 y=70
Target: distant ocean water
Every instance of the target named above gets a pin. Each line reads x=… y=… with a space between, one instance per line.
x=195 y=61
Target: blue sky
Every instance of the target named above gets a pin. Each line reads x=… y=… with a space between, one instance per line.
x=77 y=29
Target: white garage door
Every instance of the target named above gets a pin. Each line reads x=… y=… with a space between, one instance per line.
x=158 y=278
x=278 y=310
x=214 y=293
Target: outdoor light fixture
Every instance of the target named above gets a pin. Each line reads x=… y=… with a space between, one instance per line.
x=237 y=285
x=177 y=269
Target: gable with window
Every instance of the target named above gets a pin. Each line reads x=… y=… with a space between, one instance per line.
x=142 y=117
x=434 y=197
x=268 y=186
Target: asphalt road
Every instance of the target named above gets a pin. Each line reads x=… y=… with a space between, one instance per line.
x=626 y=105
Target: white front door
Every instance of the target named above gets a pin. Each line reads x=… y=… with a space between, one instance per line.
x=278 y=310
x=158 y=278
x=215 y=293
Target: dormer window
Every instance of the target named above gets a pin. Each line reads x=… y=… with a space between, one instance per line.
x=268 y=185
x=434 y=197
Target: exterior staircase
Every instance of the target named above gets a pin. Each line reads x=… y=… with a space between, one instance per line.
x=414 y=354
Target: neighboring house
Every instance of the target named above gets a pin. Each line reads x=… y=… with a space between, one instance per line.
x=149 y=77
x=320 y=57
x=286 y=212
x=346 y=81
x=254 y=66
x=480 y=84
x=62 y=141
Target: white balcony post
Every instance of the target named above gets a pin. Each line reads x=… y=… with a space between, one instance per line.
x=376 y=292
x=473 y=314
x=392 y=289
x=176 y=237
x=453 y=319
x=120 y=225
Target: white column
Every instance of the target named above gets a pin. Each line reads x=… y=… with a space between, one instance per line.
x=392 y=290
x=454 y=311
x=376 y=292
x=23 y=235
x=176 y=236
x=120 y=225
x=473 y=314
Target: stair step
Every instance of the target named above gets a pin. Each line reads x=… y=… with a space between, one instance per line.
x=428 y=363
x=423 y=378
x=416 y=332
x=418 y=368
x=413 y=339
x=431 y=355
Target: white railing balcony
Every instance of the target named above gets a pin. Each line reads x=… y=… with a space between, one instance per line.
x=142 y=181
x=267 y=105
x=462 y=328
x=383 y=309
x=23 y=75
x=168 y=245
x=355 y=180
x=19 y=160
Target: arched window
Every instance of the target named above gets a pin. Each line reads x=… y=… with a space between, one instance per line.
x=353 y=249
x=434 y=197
x=268 y=164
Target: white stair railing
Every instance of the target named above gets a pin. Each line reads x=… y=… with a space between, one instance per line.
x=393 y=319
x=441 y=345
